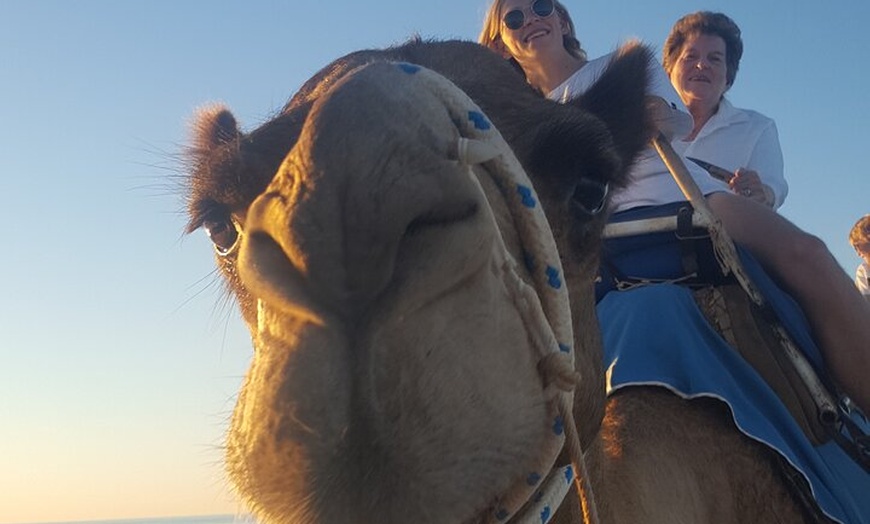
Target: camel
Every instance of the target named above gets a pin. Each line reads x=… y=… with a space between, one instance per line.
x=377 y=257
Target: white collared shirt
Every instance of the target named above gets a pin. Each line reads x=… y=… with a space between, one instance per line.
x=735 y=138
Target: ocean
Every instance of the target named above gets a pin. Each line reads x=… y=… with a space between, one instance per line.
x=202 y=519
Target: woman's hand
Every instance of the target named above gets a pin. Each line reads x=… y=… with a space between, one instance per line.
x=668 y=120
x=746 y=182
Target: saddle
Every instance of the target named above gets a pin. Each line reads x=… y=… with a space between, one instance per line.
x=685 y=256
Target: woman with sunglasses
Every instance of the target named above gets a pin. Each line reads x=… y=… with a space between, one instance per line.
x=538 y=37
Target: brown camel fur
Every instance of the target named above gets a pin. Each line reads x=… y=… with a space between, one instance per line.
x=392 y=379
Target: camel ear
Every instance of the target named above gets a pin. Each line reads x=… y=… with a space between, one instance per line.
x=618 y=98
x=213 y=126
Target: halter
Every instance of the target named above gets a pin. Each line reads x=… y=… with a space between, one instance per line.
x=544 y=308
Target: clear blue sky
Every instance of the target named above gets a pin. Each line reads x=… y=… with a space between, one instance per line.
x=119 y=360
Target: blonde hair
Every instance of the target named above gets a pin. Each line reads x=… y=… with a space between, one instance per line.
x=490 y=34
x=860 y=233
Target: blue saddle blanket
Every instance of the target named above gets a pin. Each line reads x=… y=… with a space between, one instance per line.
x=656 y=335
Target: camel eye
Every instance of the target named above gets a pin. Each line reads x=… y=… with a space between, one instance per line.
x=590 y=196
x=224 y=234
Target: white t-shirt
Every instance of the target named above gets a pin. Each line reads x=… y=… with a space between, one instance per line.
x=861 y=275
x=650 y=181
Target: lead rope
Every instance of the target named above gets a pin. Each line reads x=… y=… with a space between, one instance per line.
x=557 y=367
x=545 y=307
x=553 y=318
x=565 y=377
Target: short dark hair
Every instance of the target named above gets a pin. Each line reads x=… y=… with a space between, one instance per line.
x=705 y=23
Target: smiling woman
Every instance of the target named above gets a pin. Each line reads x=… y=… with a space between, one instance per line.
x=702 y=55
x=518 y=16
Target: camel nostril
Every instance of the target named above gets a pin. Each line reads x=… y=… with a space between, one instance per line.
x=264 y=261
x=268 y=273
x=447 y=215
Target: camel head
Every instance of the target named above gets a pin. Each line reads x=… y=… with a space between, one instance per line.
x=388 y=282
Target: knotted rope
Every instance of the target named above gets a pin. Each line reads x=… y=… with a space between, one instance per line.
x=544 y=306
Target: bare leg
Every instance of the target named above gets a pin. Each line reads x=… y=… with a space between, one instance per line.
x=838 y=314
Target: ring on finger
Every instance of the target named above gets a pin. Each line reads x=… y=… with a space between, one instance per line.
x=747 y=192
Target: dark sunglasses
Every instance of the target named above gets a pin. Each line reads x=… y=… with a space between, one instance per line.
x=515 y=19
